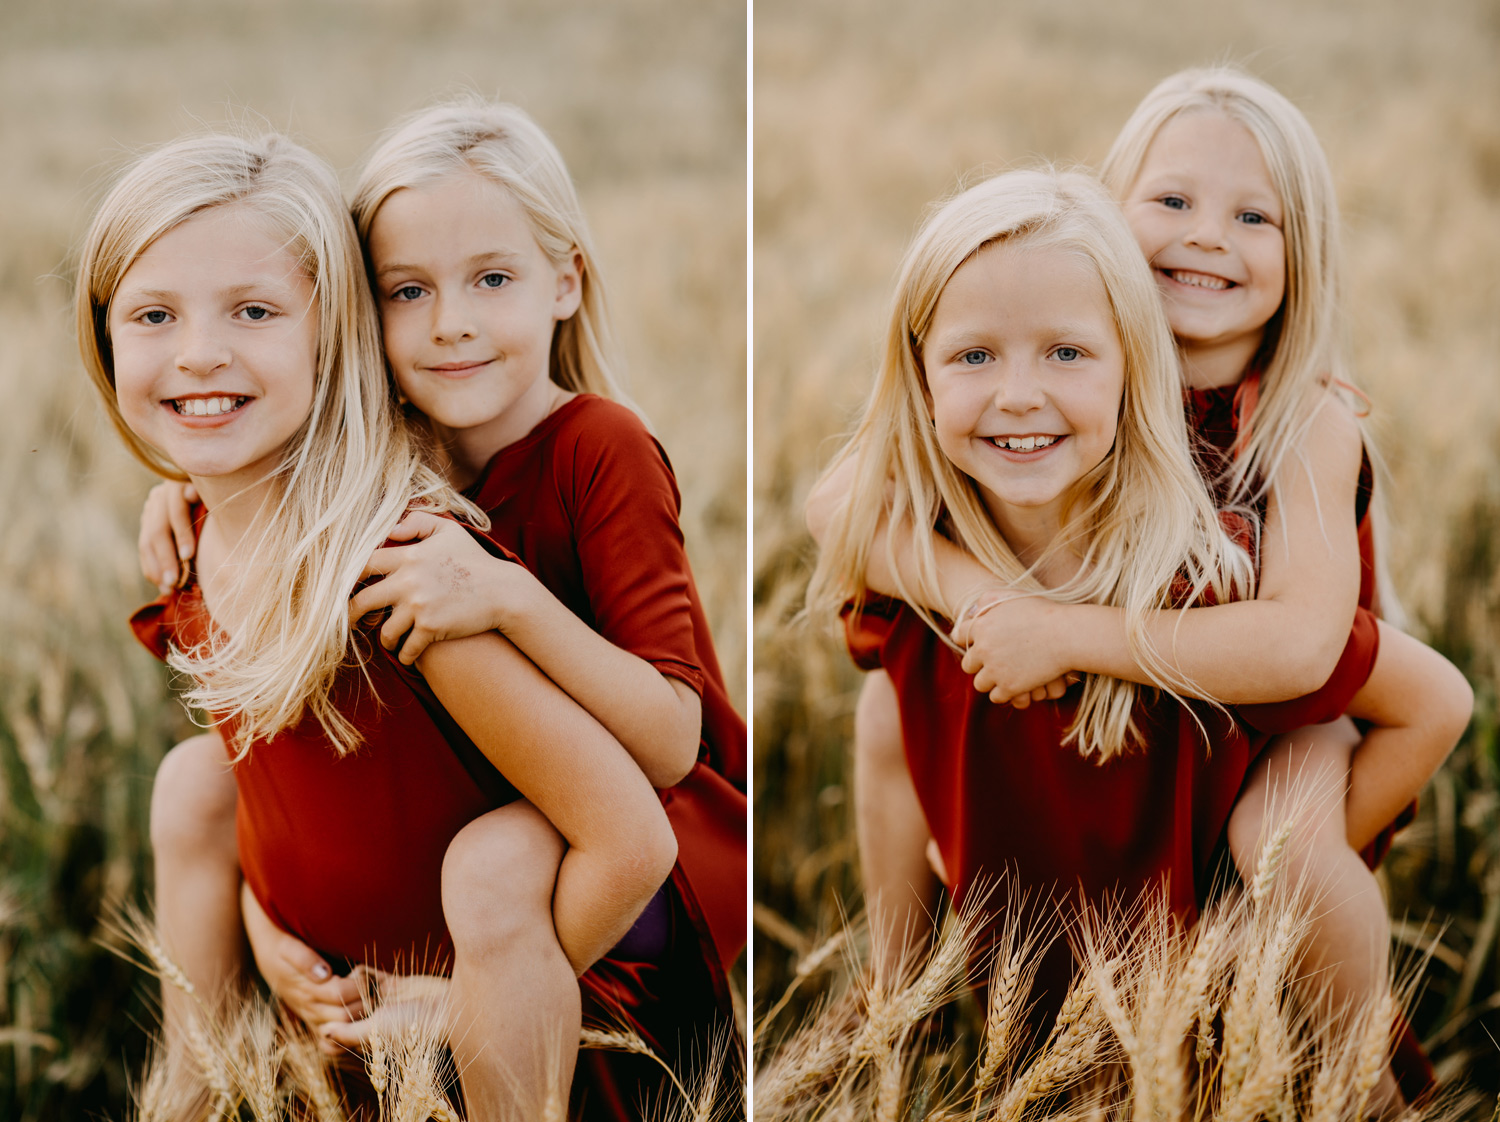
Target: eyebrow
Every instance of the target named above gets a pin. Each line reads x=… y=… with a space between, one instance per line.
x=500 y=256
x=169 y=294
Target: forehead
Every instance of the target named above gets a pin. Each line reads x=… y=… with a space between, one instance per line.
x=1206 y=143
x=230 y=241
x=1025 y=283
x=457 y=210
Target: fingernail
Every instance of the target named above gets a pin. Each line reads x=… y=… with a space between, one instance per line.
x=321 y=972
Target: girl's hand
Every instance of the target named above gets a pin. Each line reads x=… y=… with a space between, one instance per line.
x=441 y=586
x=1013 y=646
x=299 y=977
x=167 y=538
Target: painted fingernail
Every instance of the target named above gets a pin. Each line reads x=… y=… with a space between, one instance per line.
x=321 y=972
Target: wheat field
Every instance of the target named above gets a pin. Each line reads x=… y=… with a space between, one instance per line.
x=646 y=102
x=864 y=113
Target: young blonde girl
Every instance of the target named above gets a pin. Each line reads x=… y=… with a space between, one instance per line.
x=1231 y=200
x=1014 y=302
x=224 y=317
x=495 y=332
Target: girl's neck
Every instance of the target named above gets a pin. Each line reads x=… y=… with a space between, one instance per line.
x=1208 y=366
x=234 y=513
x=464 y=453
x=1030 y=532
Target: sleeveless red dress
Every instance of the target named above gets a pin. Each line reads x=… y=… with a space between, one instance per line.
x=589 y=503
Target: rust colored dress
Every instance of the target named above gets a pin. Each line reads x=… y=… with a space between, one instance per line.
x=589 y=503
x=347 y=854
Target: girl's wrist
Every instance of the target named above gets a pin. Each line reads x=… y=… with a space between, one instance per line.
x=513 y=597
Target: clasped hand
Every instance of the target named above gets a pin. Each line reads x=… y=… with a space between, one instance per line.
x=1012 y=647
x=442 y=584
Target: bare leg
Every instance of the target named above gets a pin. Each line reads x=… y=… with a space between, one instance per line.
x=197 y=876
x=516 y=1006
x=1306 y=773
x=892 y=831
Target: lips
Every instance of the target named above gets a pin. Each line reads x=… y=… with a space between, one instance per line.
x=453 y=369
x=1033 y=442
x=207 y=406
x=1190 y=278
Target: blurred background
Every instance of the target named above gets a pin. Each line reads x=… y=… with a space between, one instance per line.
x=866 y=112
x=646 y=100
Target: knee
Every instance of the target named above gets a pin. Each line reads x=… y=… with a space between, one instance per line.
x=192 y=799
x=1247 y=834
x=498 y=876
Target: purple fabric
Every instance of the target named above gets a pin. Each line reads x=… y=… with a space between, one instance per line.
x=648 y=937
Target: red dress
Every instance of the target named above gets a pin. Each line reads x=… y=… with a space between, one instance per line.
x=347 y=854
x=589 y=503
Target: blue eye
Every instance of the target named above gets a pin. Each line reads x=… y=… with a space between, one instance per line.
x=974 y=358
x=1251 y=218
x=155 y=317
x=407 y=292
x=1067 y=354
x=493 y=280
x=255 y=313
x=1174 y=202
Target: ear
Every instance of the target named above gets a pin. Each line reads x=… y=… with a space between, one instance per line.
x=569 y=286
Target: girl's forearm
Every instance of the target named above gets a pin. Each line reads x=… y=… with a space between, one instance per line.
x=1238 y=654
x=621 y=846
x=656 y=718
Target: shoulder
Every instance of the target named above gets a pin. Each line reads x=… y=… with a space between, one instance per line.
x=1328 y=453
x=602 y=438
x=592 y=421
x=1335 y=428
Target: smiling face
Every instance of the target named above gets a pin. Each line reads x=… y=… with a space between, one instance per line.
x=214 y=337
x=1025 y=372
x=468 y=305
x=1209 y=220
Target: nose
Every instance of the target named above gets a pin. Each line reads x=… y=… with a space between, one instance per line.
x=202 y=348
x=1206 y=231
x=1018 y=388
x=451 y=320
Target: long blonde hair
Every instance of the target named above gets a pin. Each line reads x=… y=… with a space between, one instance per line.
x=1141 y=520
x=1302 y=355
x=503 y=144
x=347 y=475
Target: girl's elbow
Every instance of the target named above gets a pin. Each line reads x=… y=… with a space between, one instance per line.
x=647 y=855
x=675 y=761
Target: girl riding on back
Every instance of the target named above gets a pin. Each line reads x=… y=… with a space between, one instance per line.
x=224 y=318
x=495 y=333
x=1230 y=199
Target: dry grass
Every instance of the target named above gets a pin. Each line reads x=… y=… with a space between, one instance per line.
x=243 y=1059
x=864 y=113
x=647 y=103
x=1211 y=1023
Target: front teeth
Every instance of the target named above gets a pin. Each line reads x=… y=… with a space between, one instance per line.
x=1023 y=443
x=1199 y=280
x=207 y=406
